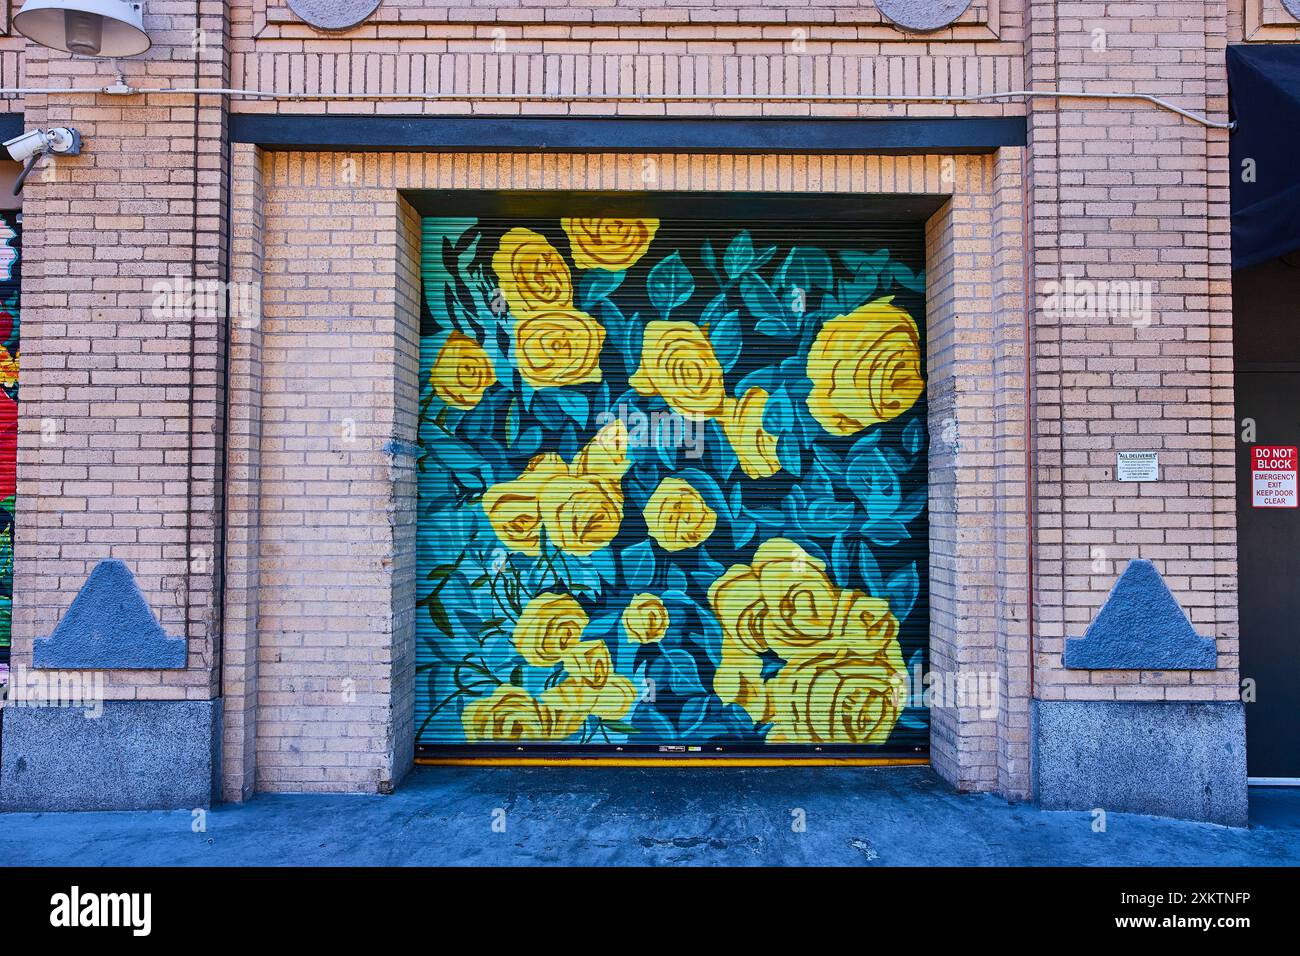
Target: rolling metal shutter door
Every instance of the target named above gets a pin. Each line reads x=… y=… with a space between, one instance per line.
x=11 y=243
x=672 y=486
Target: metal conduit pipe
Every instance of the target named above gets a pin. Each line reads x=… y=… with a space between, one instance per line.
x=123 y=89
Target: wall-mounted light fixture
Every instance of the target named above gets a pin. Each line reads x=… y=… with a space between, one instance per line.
x=108 y=28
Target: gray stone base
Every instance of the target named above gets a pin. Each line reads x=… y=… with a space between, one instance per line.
x=138 y=755
x=1169 y=759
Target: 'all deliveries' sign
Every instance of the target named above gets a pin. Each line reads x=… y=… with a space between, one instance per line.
x=1273 y=476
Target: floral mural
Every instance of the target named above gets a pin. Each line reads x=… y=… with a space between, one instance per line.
x=10 y=283
x=672 y=487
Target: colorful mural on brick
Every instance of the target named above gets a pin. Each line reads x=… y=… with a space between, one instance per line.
x=672 y=487
x=10 y=284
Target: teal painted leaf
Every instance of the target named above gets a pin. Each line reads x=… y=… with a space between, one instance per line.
x=652 y=723
x=830 y=468
x=742 y=531
x=625 y=332
x=684 y=673
x=676 y=579
x=724 y=331
x=790 y=455
x=548 y=412
x=768 y=379
x=914 y=436
x=857 y=292
x=638 y=565
x=902 y=589
x=694 y=711
x=711 y=639
x=820 y=483
x=461 y=458
x=597 y=284
x=675 y=595
x=865 y=444
x=710 y=261
x=600 y=626
x=817 y=517
x=710 y=564
x=914 y=718
x=603 y=562
x=720 y=451
x=870 y=571
x=805 y=268
x=669 y=284
x=906 y=277
x=529 y=442
x=667 y=454
x=874 y=482
x=739 y=256
x=859 y=262
x=886 y=533
x=572 y=403
x=911 y=505
x=841 y=560
x=778 y=413
x=770 y=316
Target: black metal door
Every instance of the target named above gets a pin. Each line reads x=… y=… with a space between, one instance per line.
x=1268 y=575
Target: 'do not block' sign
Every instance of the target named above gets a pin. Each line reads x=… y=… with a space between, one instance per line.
x=1273 y=476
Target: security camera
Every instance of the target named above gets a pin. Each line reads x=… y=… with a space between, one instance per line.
x=31 y=147
x=60 y=139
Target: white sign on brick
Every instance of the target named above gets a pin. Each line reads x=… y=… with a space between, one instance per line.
x=1137 y=465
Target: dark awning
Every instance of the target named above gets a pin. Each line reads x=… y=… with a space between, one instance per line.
x=1264 y=86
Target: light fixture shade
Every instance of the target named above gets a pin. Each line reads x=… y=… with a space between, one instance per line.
x=70 y=25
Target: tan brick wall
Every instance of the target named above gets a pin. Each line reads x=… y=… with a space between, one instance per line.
x=121 y=406
x=480 y=56
x=340 y=254
x=317 y=630
x=243 y=483
x=1122 y=192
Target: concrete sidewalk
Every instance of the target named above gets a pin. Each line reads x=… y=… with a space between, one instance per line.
x=604 y=816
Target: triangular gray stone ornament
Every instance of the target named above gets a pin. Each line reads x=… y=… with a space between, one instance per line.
x=1140 y=627
x=109 y=626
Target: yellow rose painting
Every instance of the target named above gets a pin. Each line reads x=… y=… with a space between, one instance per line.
x=580 y=506
x=550 y=626
x=511 y=713
x=673 y=484
x=593 y=686
x=838 y=641
x=836 y=698
x=462 y=372
x=558 y=347
x=611 y=244
x=533 y=276
x=582 y=513
x=678 y=517
x=645 y=619
x=514 y=508
x=679 y=365
x=755 y=447
x=865 y=368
